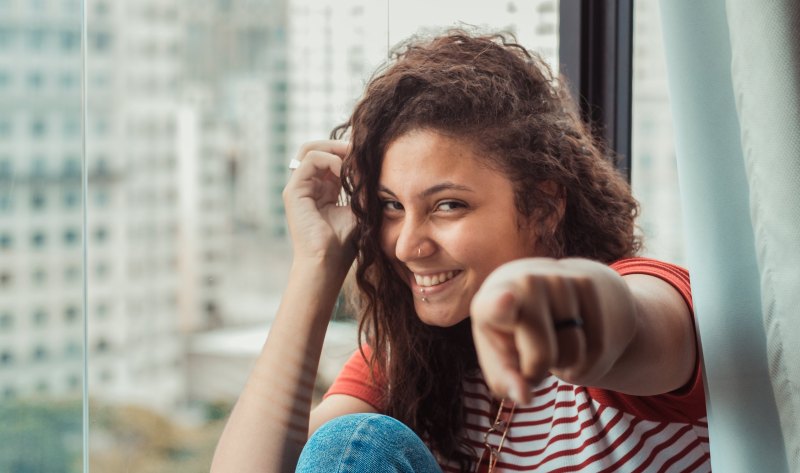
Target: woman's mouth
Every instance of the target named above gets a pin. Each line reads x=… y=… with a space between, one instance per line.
x=430 y=280
x=433 y=284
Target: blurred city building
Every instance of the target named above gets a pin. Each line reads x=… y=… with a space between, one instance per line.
x=194 y=110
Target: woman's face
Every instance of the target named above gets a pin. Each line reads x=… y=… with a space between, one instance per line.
x=448 y=222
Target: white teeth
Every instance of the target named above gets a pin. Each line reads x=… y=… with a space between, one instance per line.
x=436 y=279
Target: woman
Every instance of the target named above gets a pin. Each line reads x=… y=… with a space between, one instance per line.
x=482 y=220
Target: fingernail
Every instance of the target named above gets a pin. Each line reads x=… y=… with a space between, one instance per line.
x=513 y=390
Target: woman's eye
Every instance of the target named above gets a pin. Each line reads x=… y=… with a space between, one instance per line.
x=392 y=205
x=450 y=205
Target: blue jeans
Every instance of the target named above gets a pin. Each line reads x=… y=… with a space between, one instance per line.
x=366 y=443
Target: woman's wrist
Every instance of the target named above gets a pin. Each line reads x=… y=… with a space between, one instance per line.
x=321 y=274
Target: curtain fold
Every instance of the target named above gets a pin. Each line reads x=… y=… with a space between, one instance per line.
x=765 y=71
x=744 y=429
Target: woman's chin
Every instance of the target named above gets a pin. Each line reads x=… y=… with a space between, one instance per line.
x=438 y=318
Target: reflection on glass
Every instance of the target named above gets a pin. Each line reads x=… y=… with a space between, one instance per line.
x=40 y=384
x=654 y=169
x=194 y=109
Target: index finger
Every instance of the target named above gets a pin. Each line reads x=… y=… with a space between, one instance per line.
x=337 y=147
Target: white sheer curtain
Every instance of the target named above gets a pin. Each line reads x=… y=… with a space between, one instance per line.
x=733 y=72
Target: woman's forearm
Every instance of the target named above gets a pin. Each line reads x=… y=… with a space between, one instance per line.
x=269 y=423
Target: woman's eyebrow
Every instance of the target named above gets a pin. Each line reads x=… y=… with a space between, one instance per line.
x=444 y=186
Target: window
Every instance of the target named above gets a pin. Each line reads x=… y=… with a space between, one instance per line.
x=40 y=317
x=35 y=80
x=38 y=127
x=39 y=276
x=6 y=240
x=654 y=168
x=71 y=314
x=36 y=39
x=70 y=41
x=72 y=198
x=71 y=236
x=38 y=239
x=6 y=168
x=73 y=349
x=6 y=357
x=6 y=320
x=6 y=127
x=5 y=79
x=39 y=353
x=38 y=199
x=6 y=278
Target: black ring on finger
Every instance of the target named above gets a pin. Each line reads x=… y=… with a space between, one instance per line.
x=576 y=322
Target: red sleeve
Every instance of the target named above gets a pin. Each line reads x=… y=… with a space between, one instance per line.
x=355 y=380
x=686 y=404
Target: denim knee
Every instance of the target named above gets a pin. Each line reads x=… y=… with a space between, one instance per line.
x=366 y=443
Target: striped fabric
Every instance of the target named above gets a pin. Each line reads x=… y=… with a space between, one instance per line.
x=565 y=430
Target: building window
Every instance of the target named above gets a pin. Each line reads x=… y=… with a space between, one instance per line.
x=35 y=80
x=5 y=79
x=6 y=203
x=72 y=198
x=68 y=80
x=101 y=310
x=72 y=349
x=72 y=168
x=101 y=234
x=102 y=346
x=5 y=127
x=36 y=39
x=38 y=199
x=42 y=387
x=70 y=40
x=39 y=276
x=38 y=167
x=71 y=313
x=38 y=239
x=39 y=317
x=72 y=125
x=72 y=273
x=6 y=241
x=6 y=168
x=71 y=237
x=6 y=320
x=6 y=358
x=38 y=127
x=39 y=353
x=6 y=279
x=73 y=382
x=102 y=41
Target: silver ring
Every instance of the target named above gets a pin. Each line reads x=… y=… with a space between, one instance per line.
x=577 y=322
x=294 y=164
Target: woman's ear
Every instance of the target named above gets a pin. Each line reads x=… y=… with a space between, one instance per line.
x=558 y=194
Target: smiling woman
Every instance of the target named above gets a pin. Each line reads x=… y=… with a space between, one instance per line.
x=507 y=324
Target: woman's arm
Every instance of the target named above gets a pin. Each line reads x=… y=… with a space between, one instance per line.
x=635 y=333
x=270 y=422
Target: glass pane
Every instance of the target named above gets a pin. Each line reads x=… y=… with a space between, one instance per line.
x=195 y=109
x=533 y=22
x=654 y=169
x=41 y=290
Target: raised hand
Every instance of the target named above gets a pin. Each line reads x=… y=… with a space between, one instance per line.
x=319 y=226
x=535 y=316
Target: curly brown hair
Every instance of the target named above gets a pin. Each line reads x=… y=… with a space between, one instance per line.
x=492 y=93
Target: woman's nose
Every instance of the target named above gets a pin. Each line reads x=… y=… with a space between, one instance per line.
x=413 y=241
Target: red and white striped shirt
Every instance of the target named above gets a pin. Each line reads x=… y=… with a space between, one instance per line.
x=568 y=428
